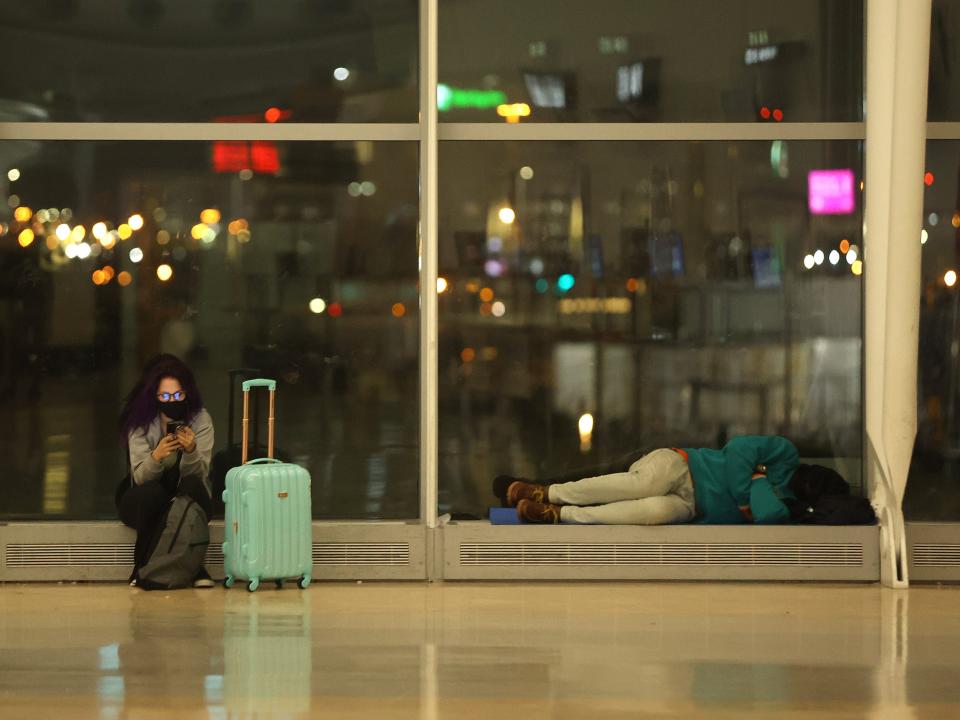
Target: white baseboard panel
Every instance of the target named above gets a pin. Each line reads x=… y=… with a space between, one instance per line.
x=92 y=551
x=933 y=551
x=480 y=551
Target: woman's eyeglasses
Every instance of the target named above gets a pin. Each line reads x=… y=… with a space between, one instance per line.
x=167 y=397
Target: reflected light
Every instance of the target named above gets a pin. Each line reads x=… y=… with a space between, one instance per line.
x=851 y=255
x=950 y=278
x=834 y=257
x=632 y=285
x=25 y=238
x=933 y=219
x=367 y=188
x=111 y=239
x=924 y=236
x=99 y=230
x=542 y=285
x=536 y=266
x=526 y=172
x=272 y=115
x=210 y=216
x=566 y=282
x=398 y=310
x=513 y=112
x=124 y=278
x=928 y=179
x=468 y=354
x=22 y=214
x=808 y=261
x=844 y=246
x=13 y=175
x=473 y=286
x=585 y=427
x=164 y=272
x=124 y=231
x=441 y=285
x=486 y=309
x=336 y=310
x=108 y=272
x=83 y=250
x=197 y=231
x=507 y=215
x=98 y=277
x=341 y=74
x=818 y=257
x=498 y=309
x=486 y=294
x=78 y=234
x=955 y=220
x=857 y=267
x=135 y=221
x=317 y=306
x=136 y=255
x=163 y=237
x=52 y=242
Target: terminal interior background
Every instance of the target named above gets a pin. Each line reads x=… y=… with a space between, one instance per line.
x=597 y=296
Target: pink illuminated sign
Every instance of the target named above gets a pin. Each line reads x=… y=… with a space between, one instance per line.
x=830 y=192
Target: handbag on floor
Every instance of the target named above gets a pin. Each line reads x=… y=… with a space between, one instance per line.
x=178 y=548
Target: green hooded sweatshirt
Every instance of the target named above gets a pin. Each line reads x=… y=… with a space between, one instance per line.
x=726 y=494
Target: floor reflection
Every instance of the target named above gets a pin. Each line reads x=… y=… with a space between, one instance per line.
x=452 y=650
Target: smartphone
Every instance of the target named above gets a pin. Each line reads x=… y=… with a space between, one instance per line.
x=172 y=427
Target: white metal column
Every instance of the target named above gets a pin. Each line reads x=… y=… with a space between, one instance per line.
x=898 y=49
x=428 y=265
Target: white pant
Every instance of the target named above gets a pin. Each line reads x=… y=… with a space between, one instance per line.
x=656 y=490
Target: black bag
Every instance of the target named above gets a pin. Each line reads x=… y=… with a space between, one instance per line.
x=178 y=548
x=838 y=510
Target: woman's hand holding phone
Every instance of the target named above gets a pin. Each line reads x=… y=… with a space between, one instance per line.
x=186 y=439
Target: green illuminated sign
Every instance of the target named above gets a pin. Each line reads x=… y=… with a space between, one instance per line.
x=449 y=98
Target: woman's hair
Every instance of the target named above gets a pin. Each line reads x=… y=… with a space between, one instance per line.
x=141 y=406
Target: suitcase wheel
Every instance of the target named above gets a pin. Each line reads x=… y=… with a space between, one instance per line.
x=279 y=584
x=228 y=581
x=304 y=582
x=253 y=584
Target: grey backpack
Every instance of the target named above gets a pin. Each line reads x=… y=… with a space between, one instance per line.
x=176 y=554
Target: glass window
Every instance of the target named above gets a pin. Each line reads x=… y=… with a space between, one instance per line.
x=225 y=60
x=600 y=297
x=932 y=489
x=627 y=61
x=943 y=100
x=303 y=268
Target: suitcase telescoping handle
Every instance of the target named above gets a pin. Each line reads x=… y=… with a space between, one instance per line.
x=271 y=385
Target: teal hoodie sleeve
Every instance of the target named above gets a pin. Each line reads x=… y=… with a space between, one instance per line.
x=765 y=506
x=743 y=454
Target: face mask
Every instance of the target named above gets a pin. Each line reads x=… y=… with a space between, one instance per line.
x=175 y=409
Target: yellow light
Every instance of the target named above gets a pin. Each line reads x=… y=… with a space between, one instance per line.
x=513 y=111
x=486 y=295
x=124 y=278
x=507 y=215
x=63 y=232
x=473 y=286
x=108 y=240
x=441 y=285
x=98 y=277
x=950 y=278
x=498 y=309
x=124 y=231
x=164 y=272
x=955 y=220
x=857 y=267
x=52 y=242
x=632 y=285
x=317 y=306
x=844 y=246
x=22 y=214
x=468 y=354
x=489 y=353
x=26 y=237
x=163 y=237
x=135 y=221
x=585 y=424
x=78 y=234
x=210 y=216
x=197 y=231
x=99 y=230
x=398 y=310
x=109 y=272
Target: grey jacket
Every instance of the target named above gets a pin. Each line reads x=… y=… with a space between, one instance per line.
x=143 y=468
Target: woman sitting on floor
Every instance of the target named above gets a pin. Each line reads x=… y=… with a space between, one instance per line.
x=753 y=479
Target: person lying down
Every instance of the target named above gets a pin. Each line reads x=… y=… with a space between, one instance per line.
x=753 y=479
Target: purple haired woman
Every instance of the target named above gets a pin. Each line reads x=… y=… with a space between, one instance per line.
x=169 y=438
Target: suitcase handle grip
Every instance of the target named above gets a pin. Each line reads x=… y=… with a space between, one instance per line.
x=271 y=385
x=262 y=461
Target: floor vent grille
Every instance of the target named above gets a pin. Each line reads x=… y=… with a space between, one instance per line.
x=36 y=555
x=753 y=555
x=936 y=555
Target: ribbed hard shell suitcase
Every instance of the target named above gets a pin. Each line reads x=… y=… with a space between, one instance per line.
x=268 y=528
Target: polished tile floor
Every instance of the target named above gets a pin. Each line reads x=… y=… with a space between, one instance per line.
x=481 y=651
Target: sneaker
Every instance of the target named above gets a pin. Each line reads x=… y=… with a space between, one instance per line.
x=537 y=512
x=522 y=490
x=203 y=579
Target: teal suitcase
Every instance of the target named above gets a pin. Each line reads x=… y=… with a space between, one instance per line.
x=268 y=527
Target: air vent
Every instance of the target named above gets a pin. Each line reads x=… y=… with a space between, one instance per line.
x=936 y=555
x=753 y=555
x=361 y=554
x=69 y=555
x=121 y=554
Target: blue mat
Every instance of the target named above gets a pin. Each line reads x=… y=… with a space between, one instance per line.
x=504 y=516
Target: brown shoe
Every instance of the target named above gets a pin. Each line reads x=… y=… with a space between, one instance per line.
x=537 y=512
x=520 y=490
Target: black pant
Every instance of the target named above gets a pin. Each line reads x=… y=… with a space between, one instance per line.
x=142 y=507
